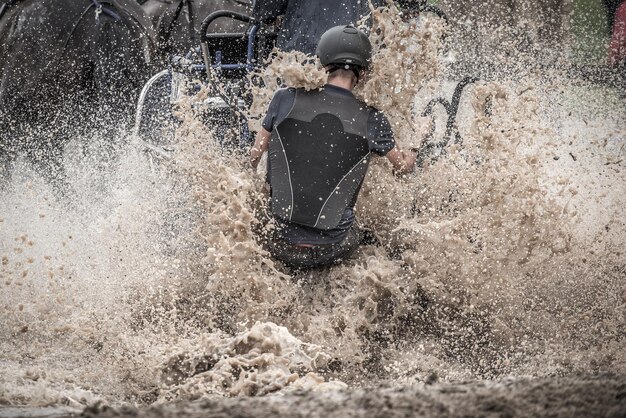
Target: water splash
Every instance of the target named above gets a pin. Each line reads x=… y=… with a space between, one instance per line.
x=497 y=259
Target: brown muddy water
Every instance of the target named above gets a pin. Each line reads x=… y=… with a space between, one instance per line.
x=498 y=287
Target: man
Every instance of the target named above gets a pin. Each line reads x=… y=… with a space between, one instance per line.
x=319 y=145
x=617 y=47
x=304 y=21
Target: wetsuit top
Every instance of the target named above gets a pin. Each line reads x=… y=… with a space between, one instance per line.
x=318 y=154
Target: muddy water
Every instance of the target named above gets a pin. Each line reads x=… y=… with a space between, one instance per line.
x=501 y=261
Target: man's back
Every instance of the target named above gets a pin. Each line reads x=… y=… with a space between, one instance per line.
x=318 y=158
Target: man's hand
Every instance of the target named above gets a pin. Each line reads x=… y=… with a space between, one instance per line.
x=403 y=162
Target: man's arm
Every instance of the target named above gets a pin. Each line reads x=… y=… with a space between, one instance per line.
x=403 y=162
x=382 y=143
x=260 y=146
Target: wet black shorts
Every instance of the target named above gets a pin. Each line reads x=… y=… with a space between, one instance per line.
x=316 y=256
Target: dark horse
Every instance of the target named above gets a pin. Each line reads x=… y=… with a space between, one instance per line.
x=68 y=68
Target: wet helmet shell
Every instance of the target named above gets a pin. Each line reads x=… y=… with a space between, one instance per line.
x=344 y=44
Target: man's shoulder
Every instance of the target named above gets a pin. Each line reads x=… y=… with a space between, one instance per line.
x=373 y=111
x=284 y=92
x=283 y=98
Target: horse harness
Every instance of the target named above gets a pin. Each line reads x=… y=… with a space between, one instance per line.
x=173 y=13
x=100 y=8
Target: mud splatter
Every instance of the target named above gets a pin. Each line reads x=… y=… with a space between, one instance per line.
x=496 y=259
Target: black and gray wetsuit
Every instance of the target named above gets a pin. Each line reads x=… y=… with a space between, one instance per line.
x=318 y=156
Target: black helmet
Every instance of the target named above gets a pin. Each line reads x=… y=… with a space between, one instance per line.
x=344 y=45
